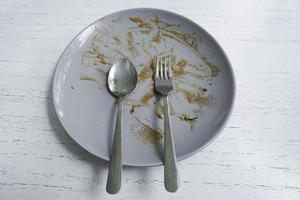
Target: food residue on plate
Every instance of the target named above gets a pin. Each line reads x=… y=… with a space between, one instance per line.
x=116 y=40
x=86 y=78
x=145 y=133
x=189 y=119
x=215 y=70
x=131 y=46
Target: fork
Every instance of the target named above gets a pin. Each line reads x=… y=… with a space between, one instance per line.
x=164 y=85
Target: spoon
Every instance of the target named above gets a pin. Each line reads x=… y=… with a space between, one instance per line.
x=122 y=80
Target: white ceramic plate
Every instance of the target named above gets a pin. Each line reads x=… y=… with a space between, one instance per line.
x=201 y=102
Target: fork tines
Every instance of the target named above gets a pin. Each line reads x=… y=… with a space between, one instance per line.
x=164 y=67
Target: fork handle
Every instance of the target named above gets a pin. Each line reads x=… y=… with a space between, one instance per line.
x=170 y=168
x=113 y=183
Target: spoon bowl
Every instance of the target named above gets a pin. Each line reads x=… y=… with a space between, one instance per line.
x=122 y=78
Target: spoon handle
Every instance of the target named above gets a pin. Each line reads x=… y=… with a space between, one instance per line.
x=170 y=168
x=113 y=183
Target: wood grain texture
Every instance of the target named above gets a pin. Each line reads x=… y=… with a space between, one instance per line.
x=257 y=156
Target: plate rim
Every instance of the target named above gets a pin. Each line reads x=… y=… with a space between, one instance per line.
x=214 y=136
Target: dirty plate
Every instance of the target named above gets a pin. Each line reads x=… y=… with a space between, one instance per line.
x=200 y=104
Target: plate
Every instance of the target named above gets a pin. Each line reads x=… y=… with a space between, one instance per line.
x=200 y=103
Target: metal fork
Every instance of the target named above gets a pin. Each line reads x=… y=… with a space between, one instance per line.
x=164 y=85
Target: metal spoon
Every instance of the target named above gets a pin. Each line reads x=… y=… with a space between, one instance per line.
x=122 y=80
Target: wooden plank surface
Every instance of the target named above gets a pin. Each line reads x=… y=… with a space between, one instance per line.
x=256 y=157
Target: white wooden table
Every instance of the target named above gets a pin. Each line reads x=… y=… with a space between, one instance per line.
x=256 y=157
